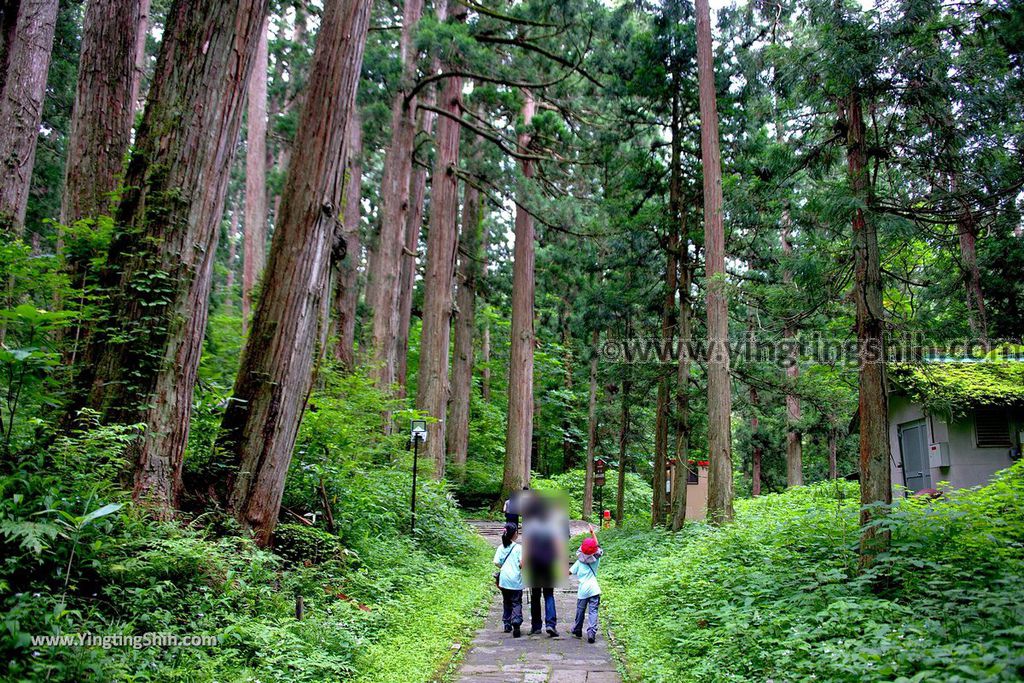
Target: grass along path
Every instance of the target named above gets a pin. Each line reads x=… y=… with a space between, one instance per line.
x=421 y=627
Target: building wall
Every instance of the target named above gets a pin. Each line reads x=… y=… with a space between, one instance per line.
x=697 y=496
x=969 y=465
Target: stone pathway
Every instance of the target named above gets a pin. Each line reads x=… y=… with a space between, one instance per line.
x=495 y=656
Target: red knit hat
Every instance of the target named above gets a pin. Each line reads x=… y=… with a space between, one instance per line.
x=589 y=546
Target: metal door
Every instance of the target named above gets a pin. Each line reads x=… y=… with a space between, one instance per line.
x=914 y=452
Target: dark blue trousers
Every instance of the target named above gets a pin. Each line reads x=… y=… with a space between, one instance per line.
x=587 y=607
x=511 y=607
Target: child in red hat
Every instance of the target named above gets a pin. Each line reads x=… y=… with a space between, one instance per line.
x=588 y=596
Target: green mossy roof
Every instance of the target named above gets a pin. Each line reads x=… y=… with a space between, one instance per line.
x=955 y=388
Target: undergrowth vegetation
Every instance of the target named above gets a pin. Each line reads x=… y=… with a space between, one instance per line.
x=80 y=558
x=778 y=595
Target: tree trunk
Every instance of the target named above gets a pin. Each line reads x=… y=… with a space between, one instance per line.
x=518 y=442
x=976 y=316
x=288 y=330
x=620 y=493
x=142 y=360
x=568 y=445
x=755 y=426
x=465 y=321
x=794 y=439
x=682 y=476
x=833 y=469
x=485 y=359
x=346 y=281
x=384 y=279
x=413 y=228
x=719 y=390
x=588 y=484
x=432 y=389
x=875 y=476
x=28 y=27
x=660 y=503
x=229 y=284
x=104 y=109
x=255 y=178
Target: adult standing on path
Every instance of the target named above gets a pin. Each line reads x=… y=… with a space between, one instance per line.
x=543 y=557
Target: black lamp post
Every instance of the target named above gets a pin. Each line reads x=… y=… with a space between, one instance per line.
x=418 y=432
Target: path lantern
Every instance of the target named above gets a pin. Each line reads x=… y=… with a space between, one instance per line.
x=418 y=433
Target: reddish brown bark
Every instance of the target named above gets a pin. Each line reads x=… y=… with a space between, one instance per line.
x=104 y=108
x=229 y=284
x=485 y=359
x=519 y=438
x=833 y=467
x=719 y=391
x=588 y=482
x=680 y=483
x=384 y=279
x=794 y=439
x=875 y=476
x=142 y=360
x=254 y=258
x=465 y=322
x=620 y=491
x=346 y=281
x=28 y=27
x=755 y=426
x=289 y=328
x=432 y=388
x=977 y=318
x=413 y=228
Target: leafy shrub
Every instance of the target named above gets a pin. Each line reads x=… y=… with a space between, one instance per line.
x=636 y=502
x=778 y=594
x=301 y=544
x=75 y=561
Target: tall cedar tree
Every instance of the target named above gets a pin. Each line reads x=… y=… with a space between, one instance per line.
x=254 y=254
x=384 y=277
x=719 y=386
x=104 y=109
x=140 y=365
x=518 y=441
x=588 y=479
x=27 y=36
x=873 y=406
x=465 y=322
x=346 y=279
x=432 y=388
x=289 y=328
x=413 y=229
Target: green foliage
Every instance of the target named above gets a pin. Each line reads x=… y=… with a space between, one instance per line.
x=778 y=594
x=79 y=558
x=955 y=388
x=636 y=503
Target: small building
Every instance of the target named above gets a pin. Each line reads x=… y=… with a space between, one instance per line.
x=696 y=488
x=955 y=422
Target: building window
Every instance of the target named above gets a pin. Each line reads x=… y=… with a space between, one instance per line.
x=991 y=428
x=691 y=474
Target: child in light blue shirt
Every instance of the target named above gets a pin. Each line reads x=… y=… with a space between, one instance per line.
x=509 y=560
x=588 y=596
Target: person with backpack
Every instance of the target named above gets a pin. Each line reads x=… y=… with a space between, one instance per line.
x=509 y=577
x=543 y=550
x=588 y=595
